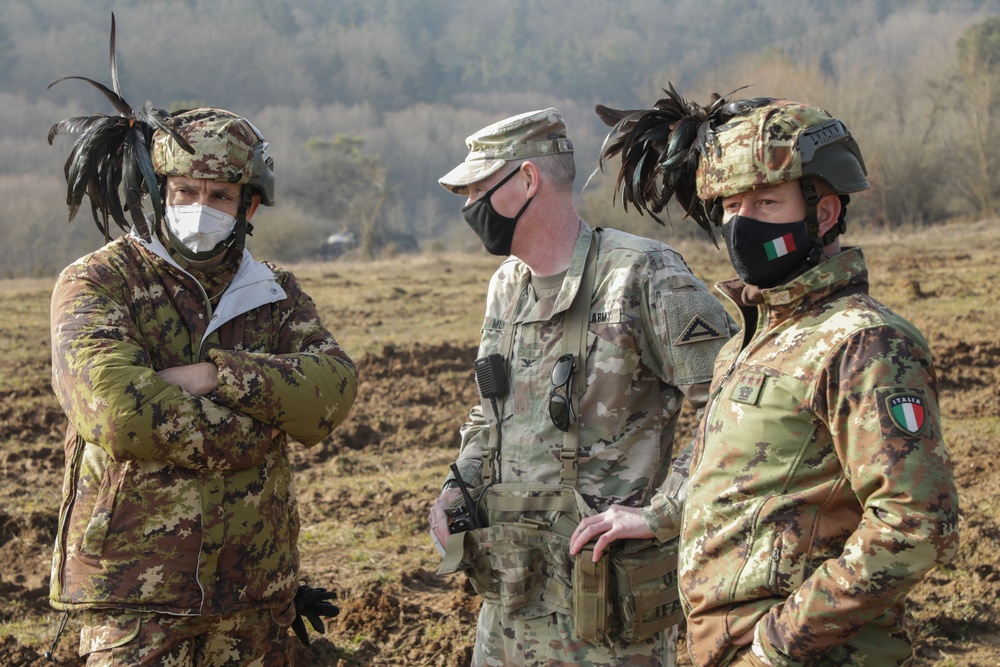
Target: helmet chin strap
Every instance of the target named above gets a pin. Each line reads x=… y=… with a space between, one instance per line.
x=818 y=242
x=243 y=227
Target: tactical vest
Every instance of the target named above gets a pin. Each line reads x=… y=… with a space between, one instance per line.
x=519 y=559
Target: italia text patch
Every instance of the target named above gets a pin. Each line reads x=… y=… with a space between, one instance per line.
x=905 y=411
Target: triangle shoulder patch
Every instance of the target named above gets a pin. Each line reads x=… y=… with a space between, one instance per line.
x=698 y=330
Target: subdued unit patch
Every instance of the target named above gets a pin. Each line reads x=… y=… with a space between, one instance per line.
x=698 y=330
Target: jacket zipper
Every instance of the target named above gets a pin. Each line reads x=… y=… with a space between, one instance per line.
x=64 y=515
x=761 y=322
x=772 y=568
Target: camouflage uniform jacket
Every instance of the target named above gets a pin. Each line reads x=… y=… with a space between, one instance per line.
x=654 y=331
x=172 y=502
x=821 y=489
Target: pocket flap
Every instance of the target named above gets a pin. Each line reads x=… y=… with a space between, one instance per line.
x=117 y=629
x=454 y=554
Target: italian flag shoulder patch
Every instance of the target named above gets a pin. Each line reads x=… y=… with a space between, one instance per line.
x=907 y=411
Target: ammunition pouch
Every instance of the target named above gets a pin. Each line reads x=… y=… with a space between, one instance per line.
x=593 y=613
x=630 y=595
x=644 y=573
x=521 y=562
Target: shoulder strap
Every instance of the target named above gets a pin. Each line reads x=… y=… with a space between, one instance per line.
x=576 y=323
x=491 y=453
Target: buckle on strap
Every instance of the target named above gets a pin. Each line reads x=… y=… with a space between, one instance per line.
x=570 y=467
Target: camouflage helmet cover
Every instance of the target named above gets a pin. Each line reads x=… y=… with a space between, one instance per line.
x=778 y=142
x=227 y=148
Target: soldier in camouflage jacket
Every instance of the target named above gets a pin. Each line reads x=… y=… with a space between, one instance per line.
x=820 y=487
x=816 y=501
x=653 y=332
x=184 y=369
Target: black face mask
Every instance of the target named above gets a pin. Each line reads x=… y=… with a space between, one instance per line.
x=765 y=254
x=495 y=230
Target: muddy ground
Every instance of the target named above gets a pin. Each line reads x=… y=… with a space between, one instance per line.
x=395 y=609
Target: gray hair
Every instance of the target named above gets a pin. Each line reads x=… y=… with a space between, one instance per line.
x=559 y=168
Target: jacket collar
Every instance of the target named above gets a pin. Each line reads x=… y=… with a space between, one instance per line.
x=254 y=284
x=844 y=270
x=574 y=273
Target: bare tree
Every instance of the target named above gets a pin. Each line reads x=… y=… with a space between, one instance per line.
x=978 y=88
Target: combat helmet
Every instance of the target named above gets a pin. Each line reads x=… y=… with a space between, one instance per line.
x=699 y=154
x=227 y=148
x=221 y=146
x=778 y=141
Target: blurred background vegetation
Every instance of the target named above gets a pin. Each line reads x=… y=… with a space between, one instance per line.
x=367 y=102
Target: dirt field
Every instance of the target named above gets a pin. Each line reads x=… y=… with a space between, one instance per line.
x=412 y=326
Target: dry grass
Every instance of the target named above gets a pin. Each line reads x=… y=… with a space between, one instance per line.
x=412 y=323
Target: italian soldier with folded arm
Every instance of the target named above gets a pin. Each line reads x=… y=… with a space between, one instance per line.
x=562 y=508
x=184 y=367
x=821 y=490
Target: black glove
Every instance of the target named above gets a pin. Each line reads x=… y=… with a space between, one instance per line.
x=312 y=603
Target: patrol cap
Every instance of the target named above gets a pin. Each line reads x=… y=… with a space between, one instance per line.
x=526 y=135
x=778 y=142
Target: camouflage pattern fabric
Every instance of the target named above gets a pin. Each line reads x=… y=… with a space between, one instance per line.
x=223 y=147
x=248 y=639
x=821 y=489
x=550 y=641
x=654 y=332
x=172 y=502
x=756 y=150
x=526 y=572
x=525 y=568
x=746 y=658
x=520 y=137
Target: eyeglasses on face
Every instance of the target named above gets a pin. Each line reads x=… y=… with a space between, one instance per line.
x=560 y=404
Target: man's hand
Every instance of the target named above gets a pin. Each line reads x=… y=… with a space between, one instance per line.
x=615 y=523
x=198 y=379
x=437 y=517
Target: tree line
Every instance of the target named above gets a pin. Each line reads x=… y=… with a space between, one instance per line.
x=366 y=102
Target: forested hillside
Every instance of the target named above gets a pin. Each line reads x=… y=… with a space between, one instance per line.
x=366 y=102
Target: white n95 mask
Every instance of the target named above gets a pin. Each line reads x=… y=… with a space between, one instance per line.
x=199 y=228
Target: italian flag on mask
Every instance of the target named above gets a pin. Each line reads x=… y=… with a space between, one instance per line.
x=779 y=247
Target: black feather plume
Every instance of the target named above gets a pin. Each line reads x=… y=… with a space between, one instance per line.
x=111 y=152
x=660 y=149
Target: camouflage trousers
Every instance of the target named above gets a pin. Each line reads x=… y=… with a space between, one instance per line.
x=259 y=638
x=550 y=640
